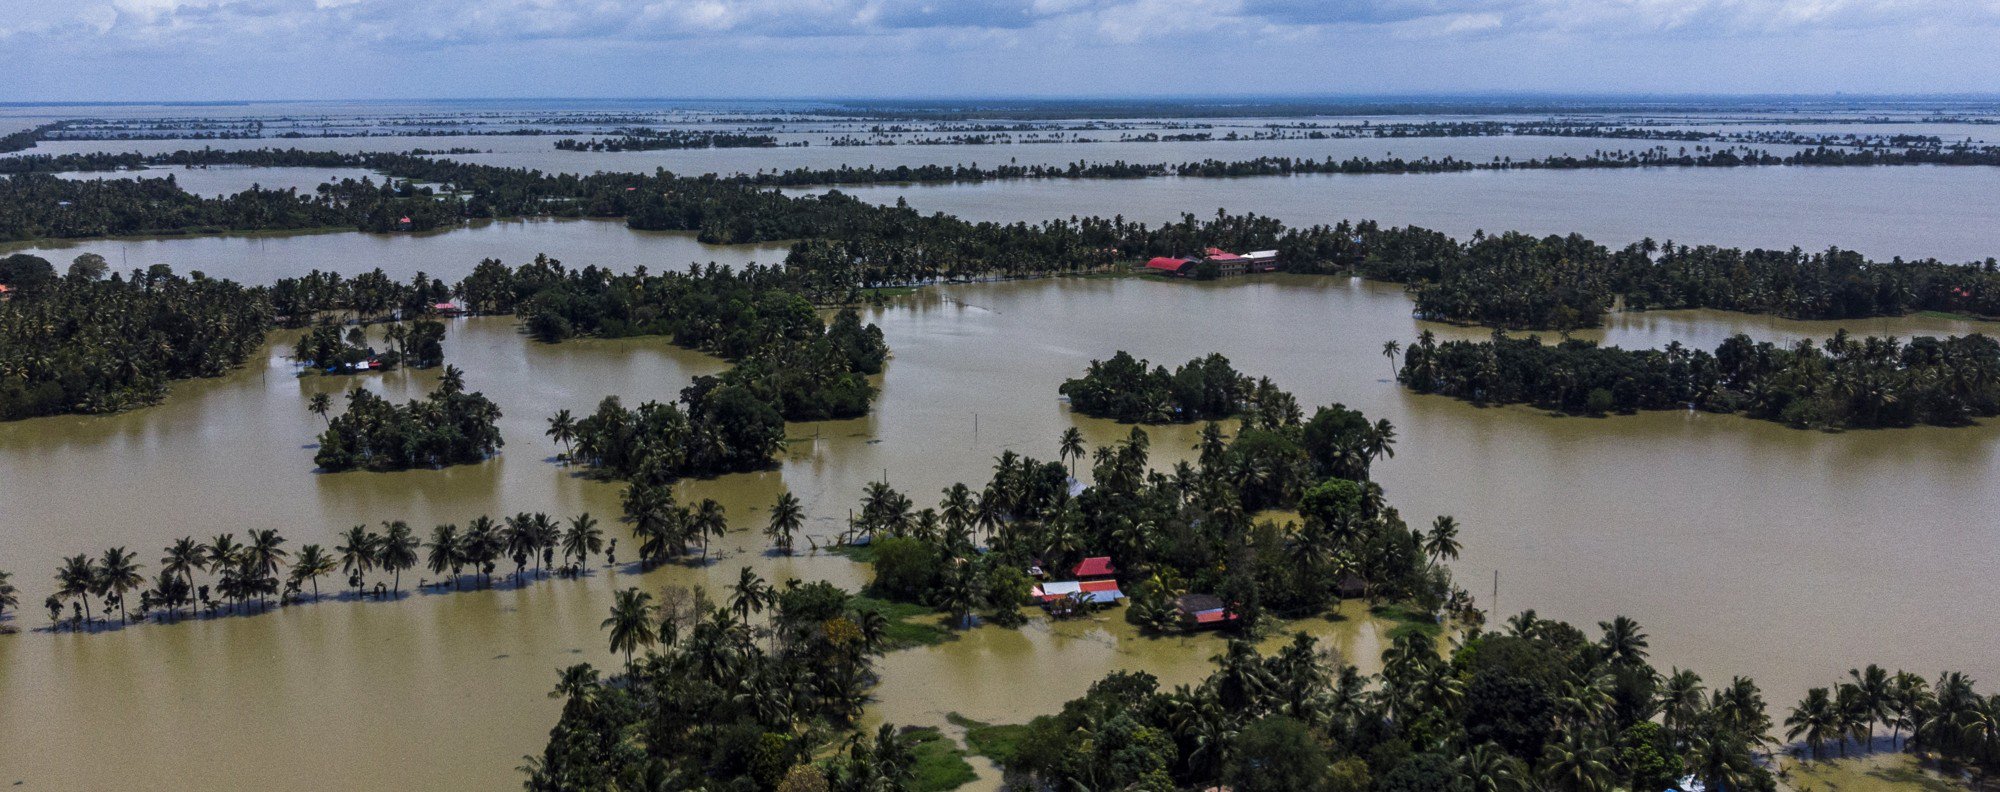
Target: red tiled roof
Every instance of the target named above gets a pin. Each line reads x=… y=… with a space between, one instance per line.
x=1211 y=617
x=1099 y=566
x=1222 y=255
x=1098 y=585
x=1167 y=264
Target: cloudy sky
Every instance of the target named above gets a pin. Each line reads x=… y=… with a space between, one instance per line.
x=329 y=49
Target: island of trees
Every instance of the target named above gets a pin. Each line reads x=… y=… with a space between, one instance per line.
x=449 y=427
x=1840 y=383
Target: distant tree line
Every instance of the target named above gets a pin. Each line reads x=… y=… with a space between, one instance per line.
x=1124 y=389
x=1842 y=383
x=643 y=139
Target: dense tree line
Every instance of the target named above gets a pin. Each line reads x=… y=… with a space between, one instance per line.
x=1841 y=383
x=1536 y=706
x=654 y=139
x=416 y=344
x=250 y=571
x=1124 y=389
x=709 y=696
x=81 y=344
x=1950 y=721
x=449 y=427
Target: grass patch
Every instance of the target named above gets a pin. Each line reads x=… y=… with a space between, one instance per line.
x=862 y=554
x=888 y=292
x=940 y=762
x=909 y=624
x=1950 y=315
x=1407 y=620
x=998 y=743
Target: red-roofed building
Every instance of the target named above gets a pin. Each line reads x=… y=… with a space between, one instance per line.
x=1095 y=568
x=1170 y=266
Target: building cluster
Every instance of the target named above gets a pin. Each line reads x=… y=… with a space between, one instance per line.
x=1219 y=262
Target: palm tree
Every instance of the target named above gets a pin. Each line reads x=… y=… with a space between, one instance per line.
x=1390 y=349
x=444 y=552
x=1442 y=541
x=397 y=552
x=311 y=562
x=480 y=545
x=1814 y=719
x=1623 y=643
x=222 y=552
x=517 y=541
x=118 y=572
x=1872 y=684
x=357 y=551
x=1576 y=764
x=1070 y=448
x=631 y=622
x=582 y=539
x=321 y=404
x=562 y=429
x=750 y=594
x=1488 y=768
x=10 y=597
x=787 y=517
x=709 y=521
x=183 y=557
x=75 y=580
x=265 y=554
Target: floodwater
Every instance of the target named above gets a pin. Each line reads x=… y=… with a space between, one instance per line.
x=1741 y=546
x=448 y=254
x=1913 y=212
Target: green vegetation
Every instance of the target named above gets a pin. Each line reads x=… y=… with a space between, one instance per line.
x=1505 y=711
x=906 y=624
x=1000 y=743
x=79 y=344
x=451 y=427
x=940 y=763
x=1841 y=383
x=261 y=567
x=1122 y=388
x=702 y=699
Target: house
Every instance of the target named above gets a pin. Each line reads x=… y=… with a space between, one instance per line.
x=447 y=308
x=1100 y=592
x=1352 y=585
x=1202 y=611
x=1164 y=265
x=1094 y=568
x=1261 y=260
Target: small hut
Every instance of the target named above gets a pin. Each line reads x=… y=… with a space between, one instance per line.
x=1203 y=611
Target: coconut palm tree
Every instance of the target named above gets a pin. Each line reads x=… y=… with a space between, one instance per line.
x=582 y=539
x=1876 y=700
x=517 y=541
x=75 y=580
x=1814 y=719
x=444 y=552
x=265 y=554
x=1488 y=768
x=750 y=594
x=709 y=521
x=562 y=429
x=1442 y=541
x=631 y=622
x=480 y=544
x=397 y=552
x=321 y=404
x=118 y=573
x=1390 y=349
x=787 y=517
x=311 y=563
x=1576 y=763
x=183 y=557
x=358 y=549
x=1070 y=448
x=221 y=552
x=10 y=597
x=1623 y=642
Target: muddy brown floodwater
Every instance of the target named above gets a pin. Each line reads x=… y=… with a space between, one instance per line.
x=1743 y=547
